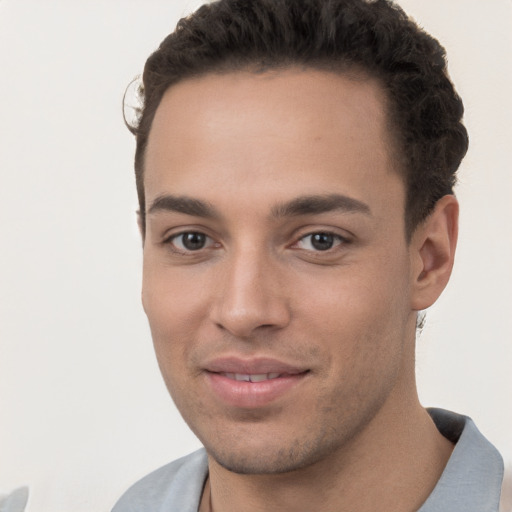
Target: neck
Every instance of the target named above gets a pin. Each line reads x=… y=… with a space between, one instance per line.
x=386 y=468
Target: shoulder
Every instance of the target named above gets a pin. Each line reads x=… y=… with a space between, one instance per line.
x=174 y=487
x=471 y=481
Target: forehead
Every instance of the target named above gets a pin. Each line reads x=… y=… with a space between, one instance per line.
x=288 y=131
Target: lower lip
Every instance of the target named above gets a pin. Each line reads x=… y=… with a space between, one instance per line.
x=251 y=395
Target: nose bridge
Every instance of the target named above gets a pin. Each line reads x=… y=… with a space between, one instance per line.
x=250 y=296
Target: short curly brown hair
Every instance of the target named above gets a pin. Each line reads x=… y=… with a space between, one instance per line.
x=375 y=36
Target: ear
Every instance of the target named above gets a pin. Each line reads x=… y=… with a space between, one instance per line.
x=433 y=250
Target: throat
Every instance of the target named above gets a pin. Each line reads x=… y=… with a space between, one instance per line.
x=205 y=504
x=397 y=475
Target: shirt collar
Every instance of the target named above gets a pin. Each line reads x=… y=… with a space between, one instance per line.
x=471 y=481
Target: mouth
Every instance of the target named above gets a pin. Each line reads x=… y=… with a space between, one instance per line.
x=255 y=377
x=252 y=384
x=266 y=368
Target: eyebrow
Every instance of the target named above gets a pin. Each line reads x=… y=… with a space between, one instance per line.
x=303 y=205
x=316 y=204
x=183 y=204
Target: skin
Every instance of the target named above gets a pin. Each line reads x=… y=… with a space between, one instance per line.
x=349 y=434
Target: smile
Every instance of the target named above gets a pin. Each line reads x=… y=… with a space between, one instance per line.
x=246 y=377
x=253 y=388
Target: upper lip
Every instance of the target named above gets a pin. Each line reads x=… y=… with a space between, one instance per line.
x=254 y=366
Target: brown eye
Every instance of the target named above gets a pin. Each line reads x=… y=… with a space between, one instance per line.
x=190 y=241
x=321 y=241
x=193 y=241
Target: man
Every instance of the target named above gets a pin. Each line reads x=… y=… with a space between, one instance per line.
x=295 y=166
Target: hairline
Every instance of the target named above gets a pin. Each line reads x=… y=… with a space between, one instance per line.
x=350 y=70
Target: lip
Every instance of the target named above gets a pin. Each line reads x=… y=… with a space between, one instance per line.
x=249 y=395
x=253 y=365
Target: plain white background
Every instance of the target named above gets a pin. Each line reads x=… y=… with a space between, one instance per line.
x=83 y=411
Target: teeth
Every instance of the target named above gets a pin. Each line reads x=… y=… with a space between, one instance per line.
x=245 y=377
x=260 y=377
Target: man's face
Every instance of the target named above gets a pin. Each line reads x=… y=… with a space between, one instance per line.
x=276 y=271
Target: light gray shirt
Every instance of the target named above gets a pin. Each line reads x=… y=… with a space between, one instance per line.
x=471 y=481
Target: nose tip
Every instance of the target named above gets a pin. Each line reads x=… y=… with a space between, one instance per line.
x=243 y=322
x=250 y=299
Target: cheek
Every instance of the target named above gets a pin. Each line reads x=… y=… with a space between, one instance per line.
x=173 y=310
x=171 y=298
x=359 y=316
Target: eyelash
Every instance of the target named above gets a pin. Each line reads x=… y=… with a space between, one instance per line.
x=171 y=242
x=337 y=240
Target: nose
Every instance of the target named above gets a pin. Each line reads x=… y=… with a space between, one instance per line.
x=251 y=297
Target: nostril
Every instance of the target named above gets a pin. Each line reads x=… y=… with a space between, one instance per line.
x=244 y=304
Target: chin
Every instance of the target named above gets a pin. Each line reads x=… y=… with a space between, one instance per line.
x=267 y=459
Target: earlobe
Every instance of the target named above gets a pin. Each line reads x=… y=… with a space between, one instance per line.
x=433 y=251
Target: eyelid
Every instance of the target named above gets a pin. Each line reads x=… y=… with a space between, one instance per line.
x=339 y=240
x=169 y=239
x=171 y=235
x=309 y=230
x=168 y=234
